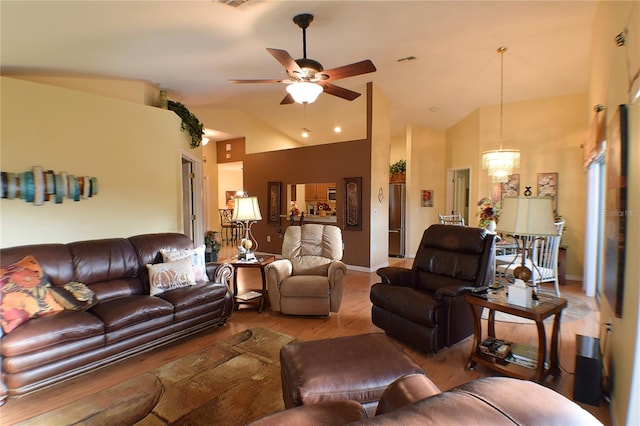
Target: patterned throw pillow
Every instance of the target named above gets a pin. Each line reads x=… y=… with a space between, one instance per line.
x=74 y=296
x=170 y=275
x=24 y=289
x=197 y=260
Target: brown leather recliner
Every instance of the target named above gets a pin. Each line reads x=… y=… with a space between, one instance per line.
x=424 y=306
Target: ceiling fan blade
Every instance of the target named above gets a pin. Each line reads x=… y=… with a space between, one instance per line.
x=285 y=59
x=287 y=100
x=340 y=92
x=254 y=81
x=362 y=67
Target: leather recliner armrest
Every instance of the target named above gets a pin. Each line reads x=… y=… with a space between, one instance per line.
x=395 y=276
x=452 y=291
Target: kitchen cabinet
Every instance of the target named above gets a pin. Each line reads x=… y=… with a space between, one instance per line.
x=317 y=191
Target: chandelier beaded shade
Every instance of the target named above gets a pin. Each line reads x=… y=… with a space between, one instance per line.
x=500 y=163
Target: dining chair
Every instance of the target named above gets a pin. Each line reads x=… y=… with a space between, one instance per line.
x=228 y=228
x=542 y=259
x=451 y=219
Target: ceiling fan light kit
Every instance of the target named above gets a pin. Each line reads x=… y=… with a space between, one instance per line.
x=307 y=78
x=303 y=92
x=500 y=163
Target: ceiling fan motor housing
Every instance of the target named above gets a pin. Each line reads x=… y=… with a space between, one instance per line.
x=309 y=69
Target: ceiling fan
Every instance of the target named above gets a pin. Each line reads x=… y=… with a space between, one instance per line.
x=307 y=78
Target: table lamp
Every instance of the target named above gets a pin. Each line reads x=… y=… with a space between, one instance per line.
x=526 y=217
x=247 y=212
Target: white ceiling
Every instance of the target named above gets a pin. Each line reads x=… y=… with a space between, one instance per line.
x=191 y=48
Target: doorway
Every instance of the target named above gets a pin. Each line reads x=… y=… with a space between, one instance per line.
x=458 y=192
x=192 y=204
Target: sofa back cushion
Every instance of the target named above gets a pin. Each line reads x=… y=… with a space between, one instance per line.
x=147 y=248
x=312 y=247
x=453 y=256
x=55 y=260
x=109 y=267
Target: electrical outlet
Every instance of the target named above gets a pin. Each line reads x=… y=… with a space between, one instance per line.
x=268 y=238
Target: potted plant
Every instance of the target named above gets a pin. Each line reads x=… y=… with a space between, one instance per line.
x=213 y=246
x=190 y=122
x=397 y=171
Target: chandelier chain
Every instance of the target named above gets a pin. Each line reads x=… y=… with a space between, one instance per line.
x=501 y=51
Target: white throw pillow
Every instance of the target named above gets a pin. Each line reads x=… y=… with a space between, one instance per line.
x=170 y=275
x=197 y=260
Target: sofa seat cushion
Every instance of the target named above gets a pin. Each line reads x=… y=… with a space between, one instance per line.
x=416 y=305
x=42 y=333
x=305 y=286
x=128 y=311
x=188 y=297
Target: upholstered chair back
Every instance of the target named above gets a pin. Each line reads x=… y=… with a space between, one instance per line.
x=453 y=256
x=312 y=247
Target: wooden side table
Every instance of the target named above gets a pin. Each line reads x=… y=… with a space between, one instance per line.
x=260 y=263
x=543 y=308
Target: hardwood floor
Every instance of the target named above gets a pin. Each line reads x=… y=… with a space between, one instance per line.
x=446 y=368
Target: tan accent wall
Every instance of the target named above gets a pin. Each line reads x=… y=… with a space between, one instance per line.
x=134 y=150
x=612 y=68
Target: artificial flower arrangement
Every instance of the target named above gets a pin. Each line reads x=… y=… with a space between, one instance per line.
x=323 y=206
x=489 y=211
x=212 y=239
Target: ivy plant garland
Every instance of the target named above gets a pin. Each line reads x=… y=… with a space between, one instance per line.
x=190 y=122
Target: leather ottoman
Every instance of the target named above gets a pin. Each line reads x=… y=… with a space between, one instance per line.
x=345 y=368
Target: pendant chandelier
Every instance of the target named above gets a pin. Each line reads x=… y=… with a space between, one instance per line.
x=501 y=162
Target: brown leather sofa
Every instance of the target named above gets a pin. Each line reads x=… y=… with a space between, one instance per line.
x=416 y=400
x=424 y=306
x=125 y=321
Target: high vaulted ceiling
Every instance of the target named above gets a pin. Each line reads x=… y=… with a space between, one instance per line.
x=192 y=49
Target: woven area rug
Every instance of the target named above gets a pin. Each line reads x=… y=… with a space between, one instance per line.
x=576 y=309
x=232 y=382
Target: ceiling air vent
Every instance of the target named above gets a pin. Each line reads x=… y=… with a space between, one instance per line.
x=234 y=3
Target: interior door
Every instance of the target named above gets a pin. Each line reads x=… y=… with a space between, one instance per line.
x=461 y=194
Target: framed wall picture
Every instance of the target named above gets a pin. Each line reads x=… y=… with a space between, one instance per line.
x=548 y=187
x=426 y=197
x=511 y=188
x=353 y=203
x=273 y=198
x=229 y=199
x=615 y=205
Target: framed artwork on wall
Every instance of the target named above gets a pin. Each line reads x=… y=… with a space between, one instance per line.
x=548 y=187
x=426 y=197
x=511 y=188
x=615 y=204
x=229 y=199
x=273 y=197
x=353 y=203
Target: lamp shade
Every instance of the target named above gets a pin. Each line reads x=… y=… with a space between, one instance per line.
x=527 y=216
x=304 y=93
x=246 y=209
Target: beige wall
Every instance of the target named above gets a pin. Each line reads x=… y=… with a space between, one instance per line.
x=425 y=170
x=610 y=73
x=380 y=141
x=549 y=133
x=133 y=150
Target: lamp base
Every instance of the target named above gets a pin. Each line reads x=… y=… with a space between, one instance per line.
x=522 y=273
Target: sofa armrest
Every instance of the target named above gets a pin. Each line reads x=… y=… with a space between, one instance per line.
x=220 y=272
x=395 y=276
x=405 y=391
